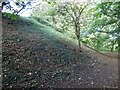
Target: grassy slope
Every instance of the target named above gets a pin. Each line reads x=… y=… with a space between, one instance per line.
x=36 y=55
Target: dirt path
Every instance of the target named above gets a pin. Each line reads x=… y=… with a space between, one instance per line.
x=35 y=60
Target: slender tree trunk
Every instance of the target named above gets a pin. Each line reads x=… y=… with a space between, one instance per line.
x=79 y=44
x=77 y=29
x=118 y=40
x=118 y=44
x=112 y=48
x=80 y=49
x=53 y=19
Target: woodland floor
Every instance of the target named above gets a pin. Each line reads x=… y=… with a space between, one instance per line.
x=31 y=58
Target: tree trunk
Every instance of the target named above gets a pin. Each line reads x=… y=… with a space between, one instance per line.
x=112 y=48
x=118 y=44
x=79 y=44
x=113 y=43
x=53 y=19
x=77 y=29
x=118 y=39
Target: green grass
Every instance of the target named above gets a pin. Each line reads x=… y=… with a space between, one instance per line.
x=49 y=32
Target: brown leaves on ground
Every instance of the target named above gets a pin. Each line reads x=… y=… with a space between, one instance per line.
x=33 y=60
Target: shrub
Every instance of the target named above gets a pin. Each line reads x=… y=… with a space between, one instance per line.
x=10 y=16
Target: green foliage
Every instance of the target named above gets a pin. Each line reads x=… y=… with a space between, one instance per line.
x=10 y=16
x=13 y=17
x=85 y=40
x=104 y=19
x=52 y=12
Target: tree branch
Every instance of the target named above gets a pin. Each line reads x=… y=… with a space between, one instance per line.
x=23 y=6
x=82 y=9
x=105 y=32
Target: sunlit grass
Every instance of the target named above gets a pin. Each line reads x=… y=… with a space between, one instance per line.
x=50 y=32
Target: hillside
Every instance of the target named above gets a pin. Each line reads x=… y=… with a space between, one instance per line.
x=35 y=55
